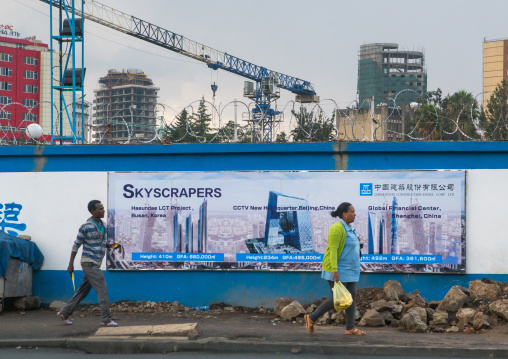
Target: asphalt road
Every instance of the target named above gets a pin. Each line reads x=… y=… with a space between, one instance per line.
x=43 y=353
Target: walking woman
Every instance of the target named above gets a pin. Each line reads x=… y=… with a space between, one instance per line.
x=340 y=263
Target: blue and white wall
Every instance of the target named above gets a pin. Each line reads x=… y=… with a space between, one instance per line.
x=54 y=185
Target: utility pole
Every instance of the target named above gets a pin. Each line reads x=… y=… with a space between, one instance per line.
x=372 y=117
x=236 y=125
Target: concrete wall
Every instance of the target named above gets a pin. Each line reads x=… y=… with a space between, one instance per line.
x=59 y=181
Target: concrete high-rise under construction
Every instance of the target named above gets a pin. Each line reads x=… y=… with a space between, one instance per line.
x=387 y=73
x=124 y=107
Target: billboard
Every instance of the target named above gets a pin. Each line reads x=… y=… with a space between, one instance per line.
x=407 y=221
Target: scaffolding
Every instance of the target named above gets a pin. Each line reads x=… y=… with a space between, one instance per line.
x=124 y=107
x=390 y=75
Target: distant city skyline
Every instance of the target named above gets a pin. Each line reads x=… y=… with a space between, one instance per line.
x=321 y=47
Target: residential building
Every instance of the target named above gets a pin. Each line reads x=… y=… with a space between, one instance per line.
x=124 y=107
x=390 y=75
x=495 y=66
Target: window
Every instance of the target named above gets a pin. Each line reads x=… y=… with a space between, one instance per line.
x=31 y=117
x=29 y=88
x=5 y=100
x=5 y=115
x=30 y=60
x=6 y=86
x=30 y=74
x=5 y=71
x=6 y=57
x=29 y=102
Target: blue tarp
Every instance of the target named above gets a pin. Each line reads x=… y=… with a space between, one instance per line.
x=26 y=251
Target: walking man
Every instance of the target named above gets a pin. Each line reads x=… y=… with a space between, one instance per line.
x=93 y=236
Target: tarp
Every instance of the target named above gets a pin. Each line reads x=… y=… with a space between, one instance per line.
x=21 y=249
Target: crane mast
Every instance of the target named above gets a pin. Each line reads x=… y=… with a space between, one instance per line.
x=267 y=82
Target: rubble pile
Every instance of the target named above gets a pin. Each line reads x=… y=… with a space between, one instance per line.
x=163 y=307
x=482 y=306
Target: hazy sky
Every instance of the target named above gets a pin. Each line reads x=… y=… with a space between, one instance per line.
x=317 y=41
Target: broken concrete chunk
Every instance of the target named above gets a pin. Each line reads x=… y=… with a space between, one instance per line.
x=292 y=310
x=454 y=300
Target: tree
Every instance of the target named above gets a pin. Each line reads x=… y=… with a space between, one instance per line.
x=495 y=114
x=460 y=111
x=447 y=118
x=178 y=130
x=201 y=129
x=281 y=137
x=227 y=133
x=313 y=127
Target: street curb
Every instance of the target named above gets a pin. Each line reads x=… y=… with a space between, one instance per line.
x=160 y=345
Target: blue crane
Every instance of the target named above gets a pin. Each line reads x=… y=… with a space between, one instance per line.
x=267 y=82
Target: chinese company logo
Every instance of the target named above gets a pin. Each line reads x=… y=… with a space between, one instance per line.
x=365 y=189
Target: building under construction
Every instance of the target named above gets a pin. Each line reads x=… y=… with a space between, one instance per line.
x=384 y=71
x=124 y=107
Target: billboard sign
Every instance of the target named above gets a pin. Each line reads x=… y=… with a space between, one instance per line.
x=407 y=221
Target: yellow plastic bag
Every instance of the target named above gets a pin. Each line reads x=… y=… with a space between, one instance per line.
x=342 y=299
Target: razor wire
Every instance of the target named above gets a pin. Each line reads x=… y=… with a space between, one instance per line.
x=348 y=124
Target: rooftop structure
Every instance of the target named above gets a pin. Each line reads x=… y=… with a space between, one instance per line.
x=384 y=71
x=124 y=107
x=381 y=123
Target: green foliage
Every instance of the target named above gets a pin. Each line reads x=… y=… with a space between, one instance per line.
x=281 y=137
x=227 y=133
x=201 y=124
x=177 y=131
x=495 y=114
x=313 y=127
x=448 y=118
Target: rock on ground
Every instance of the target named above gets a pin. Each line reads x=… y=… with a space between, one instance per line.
x=440 y=318
x=466 y=313
x=412 y=322
x=480 y=290
x=280 y=303
x=393 y=290
x=371 y=318
x=417 y=301
x=480 y=321
x=454 y=300
x=382 y=305
x=500 y=308
x=292 y=311
x=421 y=312
x=27 y=303
x=56 y=305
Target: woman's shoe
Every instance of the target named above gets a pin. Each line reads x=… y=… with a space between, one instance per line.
x=355 y=331
x=309 y=324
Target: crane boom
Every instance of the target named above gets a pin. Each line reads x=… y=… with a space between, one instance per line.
x=215 y=59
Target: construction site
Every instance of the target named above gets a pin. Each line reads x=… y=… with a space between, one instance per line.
x=124 y=107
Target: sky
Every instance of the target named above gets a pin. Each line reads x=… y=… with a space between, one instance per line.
x=316 y=41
